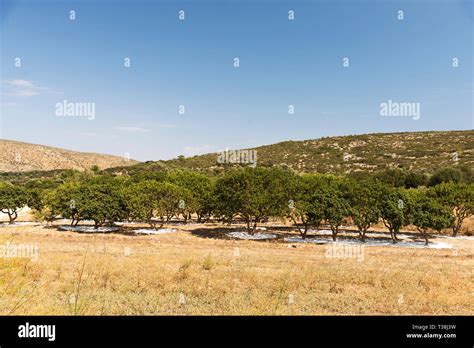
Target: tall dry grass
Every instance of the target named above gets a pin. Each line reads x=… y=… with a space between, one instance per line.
x=188 y=274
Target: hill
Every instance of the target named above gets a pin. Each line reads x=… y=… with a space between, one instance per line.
x=423 y=152
x=17 y=156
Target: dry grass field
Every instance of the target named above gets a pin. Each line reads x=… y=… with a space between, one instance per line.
x=199 y=271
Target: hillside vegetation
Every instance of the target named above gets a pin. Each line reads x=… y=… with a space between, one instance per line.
x=423 y=152
x=356 y=155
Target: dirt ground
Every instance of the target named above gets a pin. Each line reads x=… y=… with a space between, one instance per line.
x=200 y=270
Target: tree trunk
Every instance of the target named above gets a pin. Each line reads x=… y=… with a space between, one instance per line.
x=306 y=225
x=457 y=227
x=425 y=235
x=12 y=216
x=392 y=235
x=334 y=233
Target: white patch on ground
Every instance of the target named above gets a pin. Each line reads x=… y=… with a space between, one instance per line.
x=261 y=228
x=152 y=231
x=321 y=232
x=356 y=233
x=458 y=237
x=88 y=229
x=401 y=244
x=307 y=240
x=121 y=223
x=256 y=236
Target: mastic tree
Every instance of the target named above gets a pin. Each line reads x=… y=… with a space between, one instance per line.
x=12 y=199
x=170 y=197
x=429 y=213
x=141 y=201
x=305 y=207
x=155 y=202
x=335 y=205
x=394 y=205
x=101 y=200
x=200 y=188
x=459 y=197
x=254 y=194
x=43 y=211
x=363 y=197
x=62 y=201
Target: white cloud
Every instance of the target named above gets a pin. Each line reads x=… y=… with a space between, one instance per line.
x=23 y=88
x=21 y=83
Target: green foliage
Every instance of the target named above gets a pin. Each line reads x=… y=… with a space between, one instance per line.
x=305 y=205
x=100 y=199
x=62 y=201
x=394 y=205
x=401 y=178
x=94 y=198
x=335 y=205
x=451 y=174
x=141 y=201
x=154 y=202
x=363 y=198
x=44 y=214
x=429 y=213
x=421 y=151
x=459 y=197
x=199 y=198
x=254 y=194
x=12 y=198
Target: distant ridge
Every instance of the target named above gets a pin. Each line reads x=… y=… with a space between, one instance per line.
x=423 y=152
x=16 y=156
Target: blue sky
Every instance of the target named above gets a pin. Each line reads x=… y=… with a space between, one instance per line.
x=190 y=63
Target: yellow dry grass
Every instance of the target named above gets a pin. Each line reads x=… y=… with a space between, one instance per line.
x=184 y=273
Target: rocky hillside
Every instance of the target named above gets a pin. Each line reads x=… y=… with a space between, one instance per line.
x=422 y=152
x=17 y=156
